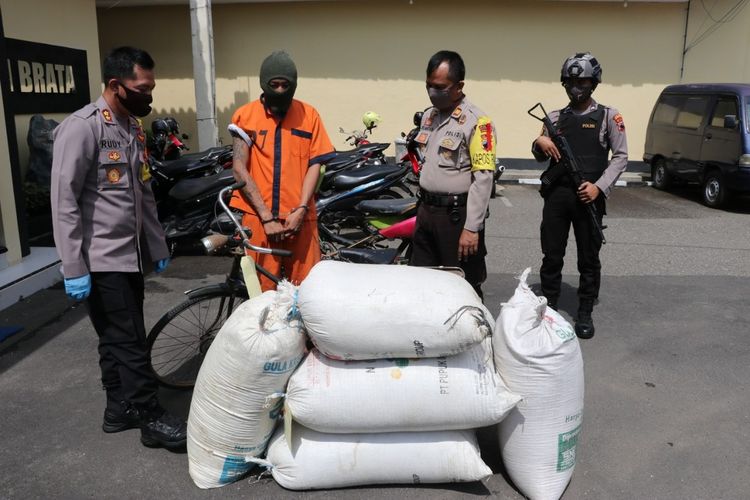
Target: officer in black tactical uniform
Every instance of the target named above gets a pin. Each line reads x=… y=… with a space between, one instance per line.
x=592 y=130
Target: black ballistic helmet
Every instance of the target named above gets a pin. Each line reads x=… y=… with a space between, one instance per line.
x=581 y=65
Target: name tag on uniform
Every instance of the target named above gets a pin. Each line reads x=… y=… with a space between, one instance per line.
x=588 y=125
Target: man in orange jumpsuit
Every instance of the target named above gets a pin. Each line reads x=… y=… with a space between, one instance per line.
x=280 y=171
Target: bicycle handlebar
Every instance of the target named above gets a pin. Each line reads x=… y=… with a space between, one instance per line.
x=245 y=238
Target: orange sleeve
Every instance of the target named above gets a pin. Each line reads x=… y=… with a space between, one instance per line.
x=321 y=149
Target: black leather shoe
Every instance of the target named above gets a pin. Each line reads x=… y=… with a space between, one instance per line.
x=584 y=325
x=165 y=430
x=120 y=418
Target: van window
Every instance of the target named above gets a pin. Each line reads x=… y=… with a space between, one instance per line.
x=724 y=106
x=691 y=114
x=667 y=108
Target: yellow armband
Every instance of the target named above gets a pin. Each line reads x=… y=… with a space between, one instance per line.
x=482 y=146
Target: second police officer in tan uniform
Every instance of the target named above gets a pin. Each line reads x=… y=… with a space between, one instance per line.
x=105 y=227
x=592 y=130
x=458 y=142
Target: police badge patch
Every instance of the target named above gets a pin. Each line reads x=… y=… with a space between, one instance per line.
x=113 y=175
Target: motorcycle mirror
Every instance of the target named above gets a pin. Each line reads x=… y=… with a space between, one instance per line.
x=418 y=118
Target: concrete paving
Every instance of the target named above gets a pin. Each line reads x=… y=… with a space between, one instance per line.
x=666 y=412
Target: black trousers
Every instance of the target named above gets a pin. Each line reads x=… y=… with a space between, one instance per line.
x=115 y=307
x=436 y=243
x=561 y=209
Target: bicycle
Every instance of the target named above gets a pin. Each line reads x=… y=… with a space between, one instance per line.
x=179 y=341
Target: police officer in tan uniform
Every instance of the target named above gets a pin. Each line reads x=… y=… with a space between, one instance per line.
x=105 y=228
x=593 y=131
x=458 y=142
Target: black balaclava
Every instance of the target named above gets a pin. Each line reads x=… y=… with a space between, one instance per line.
x=278 y=65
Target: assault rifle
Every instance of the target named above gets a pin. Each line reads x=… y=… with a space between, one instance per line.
x=567 y=164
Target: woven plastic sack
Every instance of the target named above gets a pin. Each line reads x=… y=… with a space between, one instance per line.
x=322 y=461
x=368 y=311
x=455 y=392
x=538 y=356
x=239 y=390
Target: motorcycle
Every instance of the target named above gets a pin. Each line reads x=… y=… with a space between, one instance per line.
x=385 y=222
x=165 y=141
x=185 y=189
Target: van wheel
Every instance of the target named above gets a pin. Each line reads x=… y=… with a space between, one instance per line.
x=714 y=190
x=660 y=177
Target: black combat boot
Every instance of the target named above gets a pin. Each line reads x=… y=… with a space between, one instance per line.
x=119 y=415
x=584 y=324
x=161 y=428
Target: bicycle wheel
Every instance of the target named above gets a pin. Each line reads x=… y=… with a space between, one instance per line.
x=180 y=340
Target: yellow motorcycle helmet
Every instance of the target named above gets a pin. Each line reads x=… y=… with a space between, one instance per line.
x=370 y=119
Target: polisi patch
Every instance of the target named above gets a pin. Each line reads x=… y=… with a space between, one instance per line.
x=588 y=125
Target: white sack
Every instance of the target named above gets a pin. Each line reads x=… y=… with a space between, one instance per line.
x=455 y=392
x=368 y=311
x=538 y=356
x=239 y=391
x=322 y=461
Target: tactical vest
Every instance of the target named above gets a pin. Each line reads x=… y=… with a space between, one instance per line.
x=582 y=133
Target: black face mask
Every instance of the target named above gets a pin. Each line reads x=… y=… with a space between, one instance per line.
x=578 y=93
x=440 y=98
x=278 y=103
x=137 y=103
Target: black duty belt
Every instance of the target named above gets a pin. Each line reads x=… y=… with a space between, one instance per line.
x=442 y=199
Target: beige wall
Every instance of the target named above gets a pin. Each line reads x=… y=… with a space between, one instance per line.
x=70 y=24
x=359 y=56
x=718 y=52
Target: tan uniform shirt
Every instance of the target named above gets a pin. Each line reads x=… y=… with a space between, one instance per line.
x=102 y=203
x=459 y=151
x=611 y=136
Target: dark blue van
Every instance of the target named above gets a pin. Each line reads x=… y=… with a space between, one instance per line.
x=699 y=133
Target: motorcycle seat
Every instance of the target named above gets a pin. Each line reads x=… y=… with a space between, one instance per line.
x=403 y=206
x=193 y=162
x=369 y=255
x=186 y=189
x=355 y=177
x=355 y=155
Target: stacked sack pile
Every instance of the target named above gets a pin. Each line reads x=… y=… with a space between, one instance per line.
x=401 y=373
x=405 y=367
